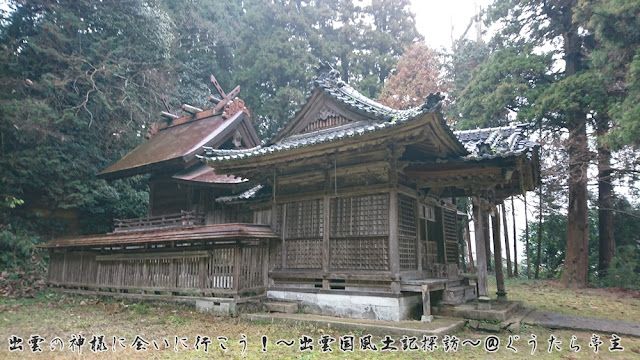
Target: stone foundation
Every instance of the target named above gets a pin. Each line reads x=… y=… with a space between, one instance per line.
x=386 y=308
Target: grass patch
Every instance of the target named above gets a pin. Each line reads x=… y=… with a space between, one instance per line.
x=550 y=296
x=51 y=314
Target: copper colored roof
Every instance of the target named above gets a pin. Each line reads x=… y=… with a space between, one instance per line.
x=209 y=232
x=204 y=174
x=176 y=146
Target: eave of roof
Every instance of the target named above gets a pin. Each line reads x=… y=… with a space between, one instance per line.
x=174 y=146
x=210 y=232
x=204 y=174
x=496 y=142
x=354 y=130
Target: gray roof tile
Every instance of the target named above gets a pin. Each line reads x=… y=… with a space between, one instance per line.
x=496 y=142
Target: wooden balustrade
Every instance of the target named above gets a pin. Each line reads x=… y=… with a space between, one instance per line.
x=182 y=219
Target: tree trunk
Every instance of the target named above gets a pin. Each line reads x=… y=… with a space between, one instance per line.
x=576 y=262
x=605 y=202
x=472 y=267
x=526 y=238
x=506 y=240
x=487 y=239
x=537 y=275
x=515 y=239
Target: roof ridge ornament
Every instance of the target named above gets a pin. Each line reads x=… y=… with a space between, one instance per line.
x=433 y=100
x=327 y=72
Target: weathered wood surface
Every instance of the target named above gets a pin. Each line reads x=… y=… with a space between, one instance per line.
x=481 y=261
x=225 y=271
x=182 y=219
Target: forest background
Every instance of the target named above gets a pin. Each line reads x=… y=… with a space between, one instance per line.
x=82 y=82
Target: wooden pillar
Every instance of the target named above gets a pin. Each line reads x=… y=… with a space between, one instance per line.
x=326 y=226
x=487 y=239
x=497 y=254
x=481 y=263
x=426 y=304
x=394 y=255
x=64 y=268
x=202 y=273
x=283 y=230
x=419 y=241
x=237 y=264
x=265 y=264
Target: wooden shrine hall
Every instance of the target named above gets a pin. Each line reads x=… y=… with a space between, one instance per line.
x=349 y=210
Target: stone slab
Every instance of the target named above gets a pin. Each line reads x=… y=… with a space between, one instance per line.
x=281 y=307
x=499 y=312
x=440 y=326
x=558 y=321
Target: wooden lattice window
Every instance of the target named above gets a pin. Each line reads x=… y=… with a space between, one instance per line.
x=251 y=273
x=275 y=254
x=304 y=254
x=360 y=216
x=407 y=232
x=305 y=219
x=370 y=253
x=431 y=254
x=277 y=228
x=450 y=234
x=220 y=269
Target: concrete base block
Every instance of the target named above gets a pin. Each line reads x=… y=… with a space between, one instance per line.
x=386 y=308
x=216 y=308
x=426 y=318
x=281 y=307
x=484 y=303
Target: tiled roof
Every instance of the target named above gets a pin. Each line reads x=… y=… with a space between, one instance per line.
x=197 y=233
x=176 y=145
x=496 y=142
x=382 y=117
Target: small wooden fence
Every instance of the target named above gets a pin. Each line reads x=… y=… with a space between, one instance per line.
x=228 y=272
x=183 y=219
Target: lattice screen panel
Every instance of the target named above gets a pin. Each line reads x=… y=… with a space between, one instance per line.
x=407 y=233
x=278 y=223
x=360 y=253
x=304 y=254
x=220 y=269
x=406 y=216
x=305 y=219
x=251 y=272
x=275 y=253
x=450 y=233
x=360 y=216
x=430 y=254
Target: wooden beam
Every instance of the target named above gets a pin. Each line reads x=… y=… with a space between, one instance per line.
x=497 y=254
x=426 y=304
x=394 y=256
x=168 y=115
x=190 y=109
x=481 y=259
x=326 y=227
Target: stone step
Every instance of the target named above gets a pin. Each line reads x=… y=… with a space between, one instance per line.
x=454 y=283
x=280 y=307
x=500 y=311
x=458 y=294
